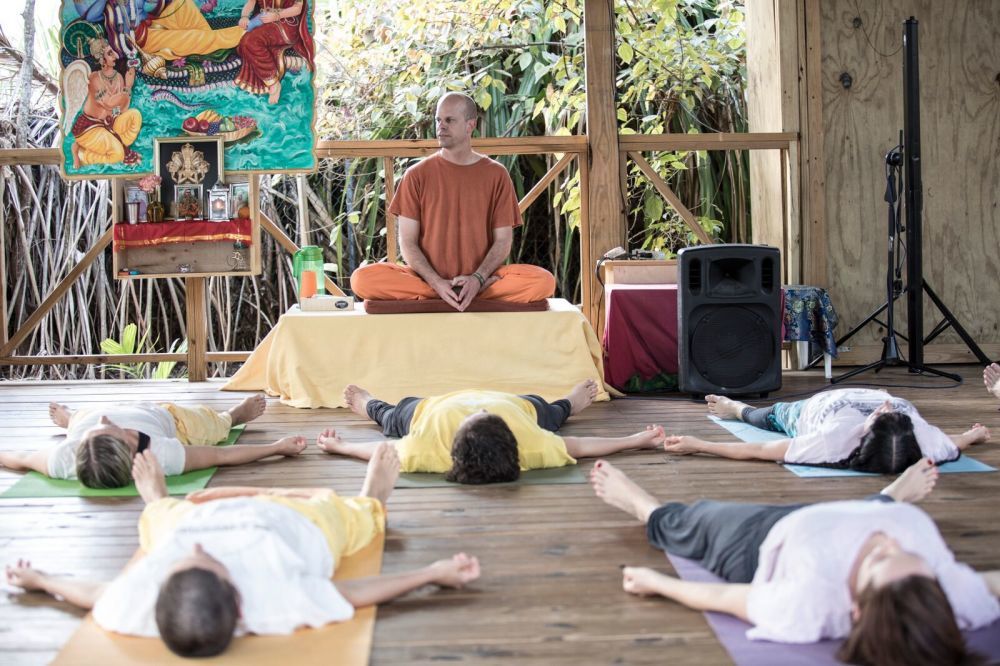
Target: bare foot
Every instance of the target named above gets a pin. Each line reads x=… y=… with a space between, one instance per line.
x=291 y=446
x=915 y=483
x=330 y=442
x=582 y=396
x=383 y=470
x=991 y=378
x=251 y=407
x=148 y=477
x=616 y=489
x=357 y=399
x=725 y=408
x=59 y=414
x=640 y=580
x=275 y=93
x=77 y=163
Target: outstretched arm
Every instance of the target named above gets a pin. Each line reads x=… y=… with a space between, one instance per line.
x=977 y=434
x=454 y=572
x=728 y=598
x=202 y=457
x=685 y=445
x=409 y=245
x=596 y=447
x=26 y=461
x=80 y=593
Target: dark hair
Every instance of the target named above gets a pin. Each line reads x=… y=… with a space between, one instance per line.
x=484 y=451
x=889 y=447
x=909 y=621
x=103 y=461
x=196 y=613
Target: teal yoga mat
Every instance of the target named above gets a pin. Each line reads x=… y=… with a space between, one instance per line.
x=749 y=433
x=535 y=477
x=34 y=484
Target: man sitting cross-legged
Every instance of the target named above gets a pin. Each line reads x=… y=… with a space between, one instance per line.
x=482 y=436
x=102 y=441
x=876 y=572
x=457 y=211
x=245 y=560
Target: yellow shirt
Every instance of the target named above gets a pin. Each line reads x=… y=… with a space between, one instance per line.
x=427 y=448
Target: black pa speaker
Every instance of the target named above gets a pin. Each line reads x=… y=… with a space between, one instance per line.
x=729 y=319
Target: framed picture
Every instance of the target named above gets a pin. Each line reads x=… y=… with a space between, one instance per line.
x=187 y=200
x=183 y=161
x=137 y=195
x=239 y=196
x=218 y=205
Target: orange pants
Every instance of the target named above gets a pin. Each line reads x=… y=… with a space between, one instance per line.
x=518 y=283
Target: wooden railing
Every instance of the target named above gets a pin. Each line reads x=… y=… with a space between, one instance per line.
x=565 y=148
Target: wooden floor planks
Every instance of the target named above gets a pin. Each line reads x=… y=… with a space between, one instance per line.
x=551 y=587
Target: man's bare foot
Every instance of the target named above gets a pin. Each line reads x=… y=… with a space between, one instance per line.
x=148 y=477
x=915 y=483
x=640 y=581
x=582 y=396
x=330 y=442
x=725 y=408
x=616 y=489
x=59 y=414
x=383 y=470
x=991 y=378
x=357 y=399
x=291 y=446
x=251 y=407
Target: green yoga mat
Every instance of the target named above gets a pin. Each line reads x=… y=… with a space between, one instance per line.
x=534 y=477
x=34 y=484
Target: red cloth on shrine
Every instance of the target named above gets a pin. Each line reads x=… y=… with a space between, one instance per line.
x=640 y=331
x=194 y=231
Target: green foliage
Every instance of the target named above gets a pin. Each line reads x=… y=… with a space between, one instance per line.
x=130 y=343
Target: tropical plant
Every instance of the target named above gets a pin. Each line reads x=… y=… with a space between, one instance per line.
x=130 y=343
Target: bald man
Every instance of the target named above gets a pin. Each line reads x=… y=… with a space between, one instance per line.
x=457 y=211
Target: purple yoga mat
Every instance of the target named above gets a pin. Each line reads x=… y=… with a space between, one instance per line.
x=731 y=632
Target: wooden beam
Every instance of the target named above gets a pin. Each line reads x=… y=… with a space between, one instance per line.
x=605 y=209
x=587 y=302
x=815 y=241
x=3 y=265
x=57 y=293
x=546 y=180
x=30 y=156
x=227 y=357
x=196 y=312
x=391 y=240
x=527 y=145
x=93 y=359
x=668 y=194
x=707 y=141
x=284 y=241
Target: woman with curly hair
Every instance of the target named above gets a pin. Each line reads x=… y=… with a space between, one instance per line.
x=860 y=429
x=480 y=437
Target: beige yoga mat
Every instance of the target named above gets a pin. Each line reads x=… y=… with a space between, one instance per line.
x=344 y=643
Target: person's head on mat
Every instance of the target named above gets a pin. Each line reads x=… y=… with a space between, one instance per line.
x=484 y=451
x=900 y=613
x=888 y=445
x=104 y=458
x=198 y=606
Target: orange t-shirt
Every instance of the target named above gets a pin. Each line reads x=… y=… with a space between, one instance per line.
x=458 y=206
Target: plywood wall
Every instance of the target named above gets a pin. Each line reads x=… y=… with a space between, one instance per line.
x=960 y=123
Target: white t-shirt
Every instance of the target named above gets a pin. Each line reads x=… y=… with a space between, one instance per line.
x=145 y=417
x=830 y=426
x=800 y=592
x=278 y=560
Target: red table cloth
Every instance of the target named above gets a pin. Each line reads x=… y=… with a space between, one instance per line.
x=186 y=231
x=640 y=331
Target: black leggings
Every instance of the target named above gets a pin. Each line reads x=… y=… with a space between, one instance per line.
x=724 y=537
x=395 y=419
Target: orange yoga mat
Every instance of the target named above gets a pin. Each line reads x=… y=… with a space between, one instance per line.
x=344 y=643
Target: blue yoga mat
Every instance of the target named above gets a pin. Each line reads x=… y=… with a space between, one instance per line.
x=748 y=433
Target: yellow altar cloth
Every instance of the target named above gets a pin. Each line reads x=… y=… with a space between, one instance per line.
x=309 y=357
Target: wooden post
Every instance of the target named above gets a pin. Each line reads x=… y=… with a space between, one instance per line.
x=197 y=328
x=3 y=267
x=607 y=219
x=814 y=236
x=391 y=240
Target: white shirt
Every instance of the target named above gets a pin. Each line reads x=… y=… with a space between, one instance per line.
x=831 y=423
x=145 y=417
x=800 y=592
x=278 y=560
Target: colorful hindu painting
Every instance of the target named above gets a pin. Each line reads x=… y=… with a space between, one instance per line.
x=134 y=71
